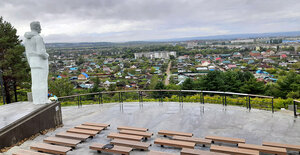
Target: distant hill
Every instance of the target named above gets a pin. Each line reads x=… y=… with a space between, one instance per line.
x=236 y=36
x=216 y=37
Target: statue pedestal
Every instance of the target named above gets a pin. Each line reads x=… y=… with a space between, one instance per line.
x=29 y=96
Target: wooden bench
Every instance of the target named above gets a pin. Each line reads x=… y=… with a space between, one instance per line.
x=28 y=152
x=174 y=143
x=193 y=139
x=133 y=144
x=115 y=149
x=82 y=131
x=159 y=153
x=124 y=136
x=187 y=151
x=138 y=133
x=132 y=128
x=81 y=137
x=97 y=124
x=233 y=150
x=225 y=139
x=174 y=133
x=86 y=127
x=287 y=146
x=265 y=149
x=62 y=141
x=48 y=148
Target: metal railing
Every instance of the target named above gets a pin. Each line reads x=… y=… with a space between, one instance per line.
x=223 y=98
x=296 y=107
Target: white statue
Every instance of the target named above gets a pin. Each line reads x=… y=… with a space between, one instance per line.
x=38 y=60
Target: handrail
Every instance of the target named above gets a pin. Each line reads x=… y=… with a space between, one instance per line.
x=165 y=90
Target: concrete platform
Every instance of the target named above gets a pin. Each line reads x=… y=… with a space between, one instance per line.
x=14 y=111
x=202 y=120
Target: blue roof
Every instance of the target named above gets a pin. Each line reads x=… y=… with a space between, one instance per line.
x=255 y=52
x=226 y=62
x=73 y=68
x=85 y=75
x=59 y=77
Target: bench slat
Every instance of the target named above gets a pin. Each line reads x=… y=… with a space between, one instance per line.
x=132 y=128
x=174 y=143
x=226 y=139
x=82 y=131
x=174 y=133
x=265 y=149
x=86 y=127
x=97 y=124
x=138 y=133
x=287 y=146
x=115 y=149
x=193 y=139
x=62 y=141
x=28 y=152
x=130 y=143
x=124 y=136
x=232 y=150
x=48 y=148
x=187 y=151
x=159 y=153
x=70 y=135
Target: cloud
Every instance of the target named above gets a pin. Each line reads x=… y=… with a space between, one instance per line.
x=126 y=20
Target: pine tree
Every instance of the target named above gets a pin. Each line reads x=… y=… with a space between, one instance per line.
x=12 y=61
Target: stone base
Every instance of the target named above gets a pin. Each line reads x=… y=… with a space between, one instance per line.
x=43 y=117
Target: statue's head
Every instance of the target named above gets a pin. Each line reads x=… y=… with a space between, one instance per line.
x=35 y=26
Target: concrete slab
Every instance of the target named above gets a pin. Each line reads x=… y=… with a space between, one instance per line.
x=201 y=120
x=14 y=111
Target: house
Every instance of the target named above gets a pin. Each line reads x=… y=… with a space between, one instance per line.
x=283 y=56
x=83 y=76
x=254 y=53
x=237 y=55
x=197 y=56
x=232 y=66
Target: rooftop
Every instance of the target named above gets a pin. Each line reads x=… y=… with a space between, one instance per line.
x=201 y=119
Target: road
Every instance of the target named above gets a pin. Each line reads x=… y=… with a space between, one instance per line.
x=167 y=81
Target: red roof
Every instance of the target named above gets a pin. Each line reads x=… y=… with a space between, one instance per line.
x=218 y=58
x=283 y=56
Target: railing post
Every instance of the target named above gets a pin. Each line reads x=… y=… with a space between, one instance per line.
x=99 y=98
x=225 y=101
x=142 y=97
x=272 y=105
x=202 y=97
x=249 y=102
x=78 y=101
x=101 y=95
x=295 y=109
x=119 y=97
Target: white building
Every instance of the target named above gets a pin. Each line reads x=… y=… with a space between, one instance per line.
x=156 y=54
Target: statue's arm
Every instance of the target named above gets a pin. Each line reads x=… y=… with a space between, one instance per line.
x=40 y=46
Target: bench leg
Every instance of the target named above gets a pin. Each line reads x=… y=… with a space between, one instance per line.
x=203 y=145
x=161 y=146
x=212 y=142
x=99 y=151
x=165 y=135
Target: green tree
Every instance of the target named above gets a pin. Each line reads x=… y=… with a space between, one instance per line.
x=61 y=87
x=12 y=61
x=253 y=86
x=153 y=82
x=96 y=84
x=79 y=61
x=152 y=70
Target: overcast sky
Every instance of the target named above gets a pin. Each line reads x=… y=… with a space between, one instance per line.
x=131 y=20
